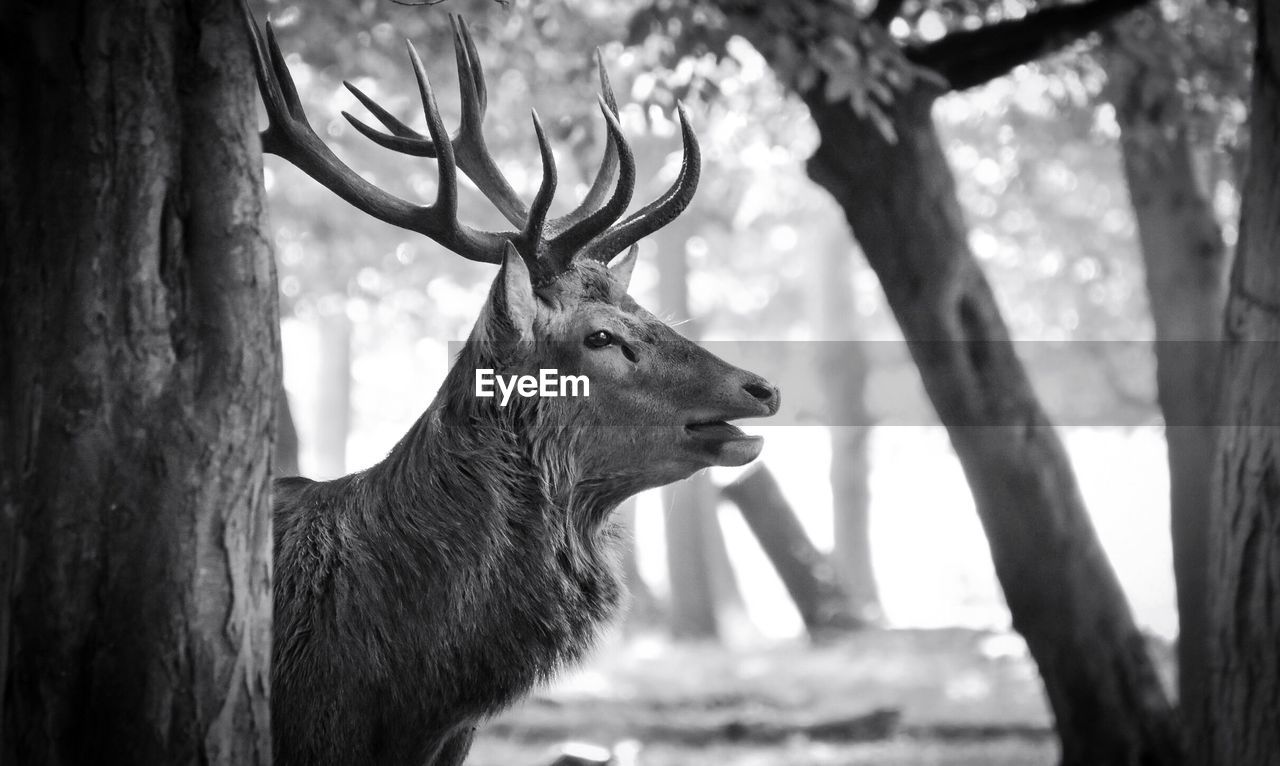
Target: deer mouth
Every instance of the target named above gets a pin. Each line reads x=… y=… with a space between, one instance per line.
x=718 y=430
x=726 y=443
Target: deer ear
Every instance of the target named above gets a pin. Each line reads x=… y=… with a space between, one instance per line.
x=621 y=268
x=512 y=300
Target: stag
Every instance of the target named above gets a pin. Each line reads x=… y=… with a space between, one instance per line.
x=414 y=598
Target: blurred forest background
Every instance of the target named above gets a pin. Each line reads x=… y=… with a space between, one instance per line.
x=1013 y=262
x=837 y=601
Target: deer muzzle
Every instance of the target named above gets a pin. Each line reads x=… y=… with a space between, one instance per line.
x=723 y=442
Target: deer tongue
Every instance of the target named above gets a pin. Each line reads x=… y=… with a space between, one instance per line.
x=717 y=428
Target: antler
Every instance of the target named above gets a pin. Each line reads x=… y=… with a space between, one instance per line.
x=661 y=211
x=590 y=229
x=468 y=142
x=289 y=135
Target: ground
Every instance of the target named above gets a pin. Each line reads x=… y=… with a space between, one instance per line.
x=951 y=696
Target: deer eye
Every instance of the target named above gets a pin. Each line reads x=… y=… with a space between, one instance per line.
x=598 y=339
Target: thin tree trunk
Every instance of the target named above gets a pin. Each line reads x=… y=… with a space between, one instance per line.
x=1186 y=265
x=333 y=404
x=285 y=454
x=644 y=611
x=731 y=608
x=843 y=371
x=809 y=577
x=703 y=587
x=138 y=343
x=1244 y=583
x=693 y=600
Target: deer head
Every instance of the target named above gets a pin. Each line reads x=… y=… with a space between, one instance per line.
x=659 y=405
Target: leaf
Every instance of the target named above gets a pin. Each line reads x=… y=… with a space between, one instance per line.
x=883 y=124
x=840 y=85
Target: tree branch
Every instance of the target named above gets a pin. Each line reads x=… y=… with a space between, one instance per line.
x=886 y=11
x=973 y=57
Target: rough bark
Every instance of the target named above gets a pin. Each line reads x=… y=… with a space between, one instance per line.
x=1186 y=263
x=138 y=343
x=843 y=371
x=900 y=201
x=810 y=579
x=1244 y=583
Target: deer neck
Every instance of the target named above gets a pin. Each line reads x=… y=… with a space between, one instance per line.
x=515 y=457
x=477 y=510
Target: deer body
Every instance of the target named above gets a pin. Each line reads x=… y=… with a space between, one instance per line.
x=416 y=597
x=432 y=589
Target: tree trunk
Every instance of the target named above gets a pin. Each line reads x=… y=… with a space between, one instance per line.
x=900 y=201
x=333 y=403
x=843 y=371
x=138 y=340
x=1063 y=595
x=703 y=587
x=644 y=611
x=690 y=532
x=1186 y=265
x=809 y=577
x=1244 y=581
x=285 y=454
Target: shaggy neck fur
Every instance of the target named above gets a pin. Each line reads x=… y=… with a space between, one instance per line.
x=476 y=560
x=507 y=481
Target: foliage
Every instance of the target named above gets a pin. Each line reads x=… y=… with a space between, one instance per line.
x=1201 y=52
x=809 y=45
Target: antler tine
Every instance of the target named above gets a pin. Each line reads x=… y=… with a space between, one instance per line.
x=566 y=245
x=475 y=91
x=606 y=174
x=290 y=135
x=591 y=230
x=270 y=89
x=405 y=139
x=447 y=187
x=281 y=98
x=661 y=211
x=468 y=144
x=532 y=234
x=473 y=153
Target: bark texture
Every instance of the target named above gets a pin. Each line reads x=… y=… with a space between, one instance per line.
x=900 y=201
x=1244 y=584
x=138 y=343
x=1186 y=263
x=809 y=578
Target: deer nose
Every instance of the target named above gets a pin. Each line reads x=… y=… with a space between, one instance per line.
x=764 y=393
